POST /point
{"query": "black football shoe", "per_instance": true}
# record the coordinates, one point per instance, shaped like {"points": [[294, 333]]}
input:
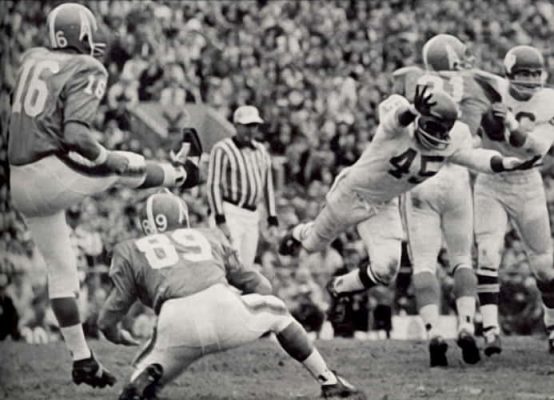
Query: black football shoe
{"points": [[492, 341], [90, 372], [341, 390], [145, 385], [470, 351], [437, 352]]}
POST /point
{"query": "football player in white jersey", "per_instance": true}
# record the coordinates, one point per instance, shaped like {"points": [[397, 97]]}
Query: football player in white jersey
{"points": [[519, 197], [442, 206], [411, 144]]}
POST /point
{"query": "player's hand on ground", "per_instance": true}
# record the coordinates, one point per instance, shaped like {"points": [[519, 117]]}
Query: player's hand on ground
{"points": [[422, 99]]}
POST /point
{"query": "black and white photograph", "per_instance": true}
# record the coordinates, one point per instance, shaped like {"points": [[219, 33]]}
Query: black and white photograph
{"points": [[277, 199]]}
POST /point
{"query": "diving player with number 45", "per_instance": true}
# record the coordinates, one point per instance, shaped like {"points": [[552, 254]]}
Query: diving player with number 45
{"points": [[55, 161], [411, 144], [189, 277]]}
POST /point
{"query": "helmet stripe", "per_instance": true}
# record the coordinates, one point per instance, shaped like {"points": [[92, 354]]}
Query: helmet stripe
{"points": [[52, 26], [150, 214]]}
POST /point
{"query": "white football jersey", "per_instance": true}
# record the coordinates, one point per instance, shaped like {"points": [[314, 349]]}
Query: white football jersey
{"points": [[395, 162]]}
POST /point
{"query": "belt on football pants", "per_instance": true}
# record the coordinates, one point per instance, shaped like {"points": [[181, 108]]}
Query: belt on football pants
{"points": [[236, 203]]}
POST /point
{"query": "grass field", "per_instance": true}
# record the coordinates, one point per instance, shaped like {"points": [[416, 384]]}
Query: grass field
{"points": [[386, 370]]}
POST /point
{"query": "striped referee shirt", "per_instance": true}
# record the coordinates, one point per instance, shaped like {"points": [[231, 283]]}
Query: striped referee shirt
{"points": [[240, 174]]}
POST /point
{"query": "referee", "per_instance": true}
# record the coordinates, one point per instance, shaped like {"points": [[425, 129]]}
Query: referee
{"points": [[239, 176]]}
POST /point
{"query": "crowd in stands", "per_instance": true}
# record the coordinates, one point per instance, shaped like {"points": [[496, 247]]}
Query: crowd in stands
{"points": [[316, 70]]}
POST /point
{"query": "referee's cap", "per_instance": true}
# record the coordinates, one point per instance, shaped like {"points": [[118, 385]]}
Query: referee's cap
{"points": [[245, 115]]}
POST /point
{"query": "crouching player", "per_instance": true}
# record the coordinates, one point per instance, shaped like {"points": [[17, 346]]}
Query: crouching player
{"points": [[188, 277]]}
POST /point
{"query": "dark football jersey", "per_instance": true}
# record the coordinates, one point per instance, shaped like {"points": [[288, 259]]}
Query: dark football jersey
{"points": [[177, 264], [52, 88], [464, 87]]}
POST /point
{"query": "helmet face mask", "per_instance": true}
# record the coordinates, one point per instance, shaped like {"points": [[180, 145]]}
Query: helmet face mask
{"points": [[525, 68], [432, 132]]}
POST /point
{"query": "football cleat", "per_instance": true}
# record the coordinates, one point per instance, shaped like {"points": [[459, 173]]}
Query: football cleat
{"points": [[470, 351], [289, 246], [341, 390], [437, 352], [190, 148], [492, 342], [145, 385], [90, 372]]}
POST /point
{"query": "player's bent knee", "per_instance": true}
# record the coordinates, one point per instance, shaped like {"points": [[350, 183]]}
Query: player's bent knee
{"points": [[385, 270], [62, 284], [426, 266], [460, 262], [541, 265], [489, 257]]}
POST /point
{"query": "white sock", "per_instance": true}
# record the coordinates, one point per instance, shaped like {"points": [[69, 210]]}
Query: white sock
{"points": [[430, 315], [349, 282], [548, 317], [318, 368], [466, 312], [489, 313], [75, 341]]}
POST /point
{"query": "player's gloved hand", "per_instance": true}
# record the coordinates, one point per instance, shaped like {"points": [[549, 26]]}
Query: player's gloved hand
{"points": [[422, 99], [516, 164]]}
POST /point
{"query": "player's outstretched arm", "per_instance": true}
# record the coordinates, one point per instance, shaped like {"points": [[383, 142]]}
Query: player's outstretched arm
{"points": [[79, 139], [489, 161]]}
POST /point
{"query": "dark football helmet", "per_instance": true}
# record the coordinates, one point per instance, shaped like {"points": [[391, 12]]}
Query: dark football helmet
{"points": [[433, 128], [163, 212], [525, 68], [446, 53], [73, 26]]}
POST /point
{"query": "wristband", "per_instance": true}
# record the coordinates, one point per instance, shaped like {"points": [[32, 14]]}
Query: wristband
{"points": [[497, 164]]}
